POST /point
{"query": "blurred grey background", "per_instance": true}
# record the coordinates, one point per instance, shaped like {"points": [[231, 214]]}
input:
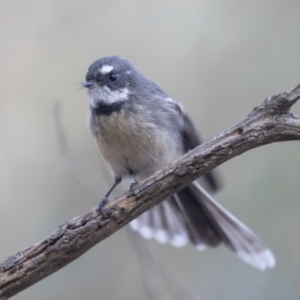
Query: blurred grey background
{"points": [[220, 59]]}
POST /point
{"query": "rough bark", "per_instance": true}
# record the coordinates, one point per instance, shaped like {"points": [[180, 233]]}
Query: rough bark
{"points": [[268, 123]]}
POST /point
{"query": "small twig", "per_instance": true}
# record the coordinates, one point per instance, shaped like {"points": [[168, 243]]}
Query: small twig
{"points": [[268, 123]]}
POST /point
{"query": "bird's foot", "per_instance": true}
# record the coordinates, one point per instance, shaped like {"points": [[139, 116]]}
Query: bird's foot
{"points": [[133, 184], [101, 205]]}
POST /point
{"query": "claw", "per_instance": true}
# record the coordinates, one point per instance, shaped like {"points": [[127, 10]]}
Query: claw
{"points": [[133, 184], [101, 205]]}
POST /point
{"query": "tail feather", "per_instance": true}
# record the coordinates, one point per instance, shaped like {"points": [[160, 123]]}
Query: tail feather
{"points": [[201, 229], [192, 214], [164, 223], [178, 234], [235, 234]]}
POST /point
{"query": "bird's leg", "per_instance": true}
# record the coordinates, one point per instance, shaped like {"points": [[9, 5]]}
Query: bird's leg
{"points": [[133, 184], [117, 180]]}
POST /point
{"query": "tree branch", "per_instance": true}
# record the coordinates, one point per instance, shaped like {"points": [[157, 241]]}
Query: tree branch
{"points": [[268, 123]]}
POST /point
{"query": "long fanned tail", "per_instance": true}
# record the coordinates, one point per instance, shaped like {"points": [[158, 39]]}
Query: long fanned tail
{"points": [[193, 215]]}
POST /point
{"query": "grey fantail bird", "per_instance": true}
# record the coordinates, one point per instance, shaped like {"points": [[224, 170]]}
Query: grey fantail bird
{"points": [[139, 129]]}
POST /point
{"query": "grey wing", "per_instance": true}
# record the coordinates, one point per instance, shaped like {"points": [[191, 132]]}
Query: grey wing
{"points": [[189, 135], [191, 139]]}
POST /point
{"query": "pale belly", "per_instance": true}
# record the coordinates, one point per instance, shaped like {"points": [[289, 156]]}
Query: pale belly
{"points": [[134, 146]]}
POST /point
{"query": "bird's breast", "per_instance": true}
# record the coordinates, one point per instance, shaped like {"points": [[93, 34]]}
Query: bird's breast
{"points": [[132, 143]]}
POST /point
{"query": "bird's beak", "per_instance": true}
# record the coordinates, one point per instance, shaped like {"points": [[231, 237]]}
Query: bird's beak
{"points": [[88, 84]]}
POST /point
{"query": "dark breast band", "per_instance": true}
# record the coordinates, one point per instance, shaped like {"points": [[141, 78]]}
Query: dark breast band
{"points": [[107, 109]]}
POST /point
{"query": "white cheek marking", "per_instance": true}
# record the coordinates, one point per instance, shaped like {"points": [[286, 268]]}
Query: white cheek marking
{"points": [[92, 98], [105, 95], [106, 69]]}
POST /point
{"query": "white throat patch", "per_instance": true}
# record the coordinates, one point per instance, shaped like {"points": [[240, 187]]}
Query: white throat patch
{"points": [[105, 95], [106, 69]]}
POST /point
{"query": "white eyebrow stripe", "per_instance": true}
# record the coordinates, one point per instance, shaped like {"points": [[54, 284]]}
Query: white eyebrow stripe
{"points": [[106, 69]]}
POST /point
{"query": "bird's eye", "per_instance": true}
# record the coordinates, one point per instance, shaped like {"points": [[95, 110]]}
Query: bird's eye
{"points": [[113, 77]]}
